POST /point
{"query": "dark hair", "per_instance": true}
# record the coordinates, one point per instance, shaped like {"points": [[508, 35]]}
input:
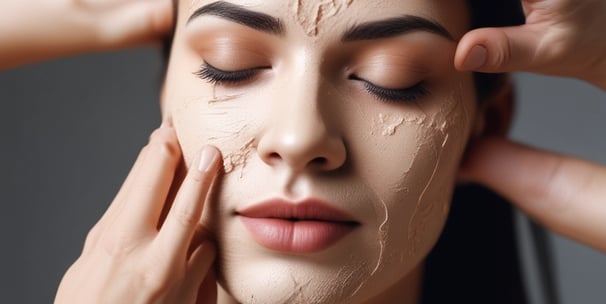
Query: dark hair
{"points": [[476, 258]]}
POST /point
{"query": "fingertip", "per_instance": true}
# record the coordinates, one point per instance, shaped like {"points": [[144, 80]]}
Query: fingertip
{"points": [[209, 157], [464, 49], [475, 59], [497, 54], [507, 49]]}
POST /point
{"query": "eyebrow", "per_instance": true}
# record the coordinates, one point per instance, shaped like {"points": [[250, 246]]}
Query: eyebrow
{"points": [[394, 27], [241, 15]]}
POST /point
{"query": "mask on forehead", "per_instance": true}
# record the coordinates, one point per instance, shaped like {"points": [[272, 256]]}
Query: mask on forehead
{"points": [[311, 14]]}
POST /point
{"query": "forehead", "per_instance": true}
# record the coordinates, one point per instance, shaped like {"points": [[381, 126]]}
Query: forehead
{"points": [[326, 17]]}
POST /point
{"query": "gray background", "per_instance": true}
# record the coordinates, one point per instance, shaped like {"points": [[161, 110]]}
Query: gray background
{"points": [[71, 129]]}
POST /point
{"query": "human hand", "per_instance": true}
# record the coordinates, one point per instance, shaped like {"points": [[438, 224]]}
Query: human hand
{"points": [[560, 38], [127, 258], [565, 194], [37, 30]]}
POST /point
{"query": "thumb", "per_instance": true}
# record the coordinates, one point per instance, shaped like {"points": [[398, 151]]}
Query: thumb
{"points": [[497, 50]]}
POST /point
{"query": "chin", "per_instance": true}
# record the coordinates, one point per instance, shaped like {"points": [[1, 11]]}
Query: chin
{"points": [[359, 268]]}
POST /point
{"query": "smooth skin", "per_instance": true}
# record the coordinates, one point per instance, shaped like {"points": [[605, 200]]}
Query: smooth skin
{"points": [[134, 255]]}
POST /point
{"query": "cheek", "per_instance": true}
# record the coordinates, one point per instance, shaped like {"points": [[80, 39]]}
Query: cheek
{"points": [[409, 159], [201, 113], [204, 114]]}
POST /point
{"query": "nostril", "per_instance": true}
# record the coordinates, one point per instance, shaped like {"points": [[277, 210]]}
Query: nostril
{"points": [[274, 157], [319, 161]]}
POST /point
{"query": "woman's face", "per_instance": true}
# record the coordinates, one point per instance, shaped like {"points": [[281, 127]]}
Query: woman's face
{"points": [[341, 123]]}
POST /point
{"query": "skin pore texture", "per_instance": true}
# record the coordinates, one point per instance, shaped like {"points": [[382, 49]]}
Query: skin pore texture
{"points": [[309, 123]]}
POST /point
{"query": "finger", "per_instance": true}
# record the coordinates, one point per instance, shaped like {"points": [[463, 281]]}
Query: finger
{"points": [[176, 234], [136, 22], [506, 49], [567, 195], [147, 194]]}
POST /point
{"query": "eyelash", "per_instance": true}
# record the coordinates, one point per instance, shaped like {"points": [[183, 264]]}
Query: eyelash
{"points": [[218, 77], [413, 93]]}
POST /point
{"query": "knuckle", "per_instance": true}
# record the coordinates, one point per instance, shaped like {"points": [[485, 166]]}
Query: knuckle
{"points": [[202, 179], [503, 52], [185, 217], [155, 276], [154, 283], [117, 246], [92, 236], [164, 142]]}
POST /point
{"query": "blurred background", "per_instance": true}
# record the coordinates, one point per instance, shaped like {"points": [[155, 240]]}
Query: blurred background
{"points": [[71, 129]]}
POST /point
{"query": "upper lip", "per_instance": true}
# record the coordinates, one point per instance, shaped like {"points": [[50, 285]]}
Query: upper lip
{"points": [[306, 210]]}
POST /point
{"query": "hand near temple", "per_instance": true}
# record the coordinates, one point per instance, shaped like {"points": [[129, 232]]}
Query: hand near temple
{"points": [[37, 30], [564, 38], [560, 38], [133, 256]]}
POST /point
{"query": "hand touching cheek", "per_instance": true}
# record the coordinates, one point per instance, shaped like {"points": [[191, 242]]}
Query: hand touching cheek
{"points": [[127, 258]]}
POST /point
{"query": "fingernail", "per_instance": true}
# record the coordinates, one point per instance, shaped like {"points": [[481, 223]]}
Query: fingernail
{"points": [[207, 159], [476, 58]]}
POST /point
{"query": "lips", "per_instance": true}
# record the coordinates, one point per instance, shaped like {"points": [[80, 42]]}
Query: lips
{"points": [[303, 227]]}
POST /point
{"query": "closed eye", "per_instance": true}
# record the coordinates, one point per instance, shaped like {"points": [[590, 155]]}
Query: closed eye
{"points": [[217, 76], [412, 93]]}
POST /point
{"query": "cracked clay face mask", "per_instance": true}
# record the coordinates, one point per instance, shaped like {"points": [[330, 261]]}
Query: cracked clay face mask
{"points": [[341, 124]]}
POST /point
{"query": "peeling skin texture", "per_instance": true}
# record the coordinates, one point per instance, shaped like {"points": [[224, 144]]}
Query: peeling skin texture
{"points": [[424, 209], [389, 124], [222, 98], [310, 15], [398, 162], [238, 158], [425, 205]]}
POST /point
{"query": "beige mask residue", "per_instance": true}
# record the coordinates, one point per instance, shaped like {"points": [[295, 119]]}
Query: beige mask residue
{"points": [[387, 125], [311, 14], [221, 98], [239, 158], [424, 209]]}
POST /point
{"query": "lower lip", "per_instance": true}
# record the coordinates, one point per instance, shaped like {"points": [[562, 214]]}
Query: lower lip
{"points": [[295, 236]]}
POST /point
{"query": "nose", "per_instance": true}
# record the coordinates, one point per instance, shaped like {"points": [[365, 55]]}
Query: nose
{"points": [[299, 135]]}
